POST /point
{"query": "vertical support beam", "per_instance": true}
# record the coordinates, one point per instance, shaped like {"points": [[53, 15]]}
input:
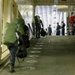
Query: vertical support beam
{"points": [[34, 10], [7, 17], [1, 2], [33, 22], [15, 11], [7, 14], [19, 14], [65, 21]]}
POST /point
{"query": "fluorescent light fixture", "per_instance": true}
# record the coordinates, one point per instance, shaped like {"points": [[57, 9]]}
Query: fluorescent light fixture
{"points": [[62, 6], [55, 5]]}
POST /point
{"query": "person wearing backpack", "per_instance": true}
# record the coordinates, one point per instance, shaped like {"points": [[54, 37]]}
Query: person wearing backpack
{"points": [[10, 40], [13, 49]]}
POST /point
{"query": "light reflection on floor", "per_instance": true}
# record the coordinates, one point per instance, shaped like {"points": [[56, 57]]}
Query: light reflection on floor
{"points": [[34, 51]]}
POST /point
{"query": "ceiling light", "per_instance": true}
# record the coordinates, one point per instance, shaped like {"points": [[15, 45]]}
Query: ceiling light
{"points": [[54, 5], [62, 6]]}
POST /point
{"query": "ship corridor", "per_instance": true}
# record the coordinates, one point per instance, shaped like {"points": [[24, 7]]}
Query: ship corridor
{"points": [[49, 55]]}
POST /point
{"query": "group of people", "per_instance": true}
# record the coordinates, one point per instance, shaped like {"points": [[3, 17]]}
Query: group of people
{"points": [[60, 27], [23, 39], [57, 29], [38, 27]]}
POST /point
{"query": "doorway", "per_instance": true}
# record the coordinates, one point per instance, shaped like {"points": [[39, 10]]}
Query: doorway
{"points": [[51, 15]]}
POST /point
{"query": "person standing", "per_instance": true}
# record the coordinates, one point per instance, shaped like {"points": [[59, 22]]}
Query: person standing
{"points": [[63, 28], [58, 29], [73, 28], [49, 30]]}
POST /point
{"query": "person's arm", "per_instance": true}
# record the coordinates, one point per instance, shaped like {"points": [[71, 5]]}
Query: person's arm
{"points": [[19, 38], [41, 23]]}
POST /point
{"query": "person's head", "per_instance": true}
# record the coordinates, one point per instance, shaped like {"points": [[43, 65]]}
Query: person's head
{"points": [[57, 23], [49, 25], [46, 29], [74, 21], [62, 21], [72, 14], [28, 24]]}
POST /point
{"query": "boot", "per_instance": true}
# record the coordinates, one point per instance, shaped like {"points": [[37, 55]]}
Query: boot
{"points": [[12, 68]]}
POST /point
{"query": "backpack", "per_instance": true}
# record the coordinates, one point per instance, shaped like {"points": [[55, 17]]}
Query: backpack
{"points": [[21, 53], [20, 26], [43, 33], [9, 36]]}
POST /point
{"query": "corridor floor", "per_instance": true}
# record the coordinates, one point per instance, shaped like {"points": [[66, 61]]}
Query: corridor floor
{"points": [[51, 55]]}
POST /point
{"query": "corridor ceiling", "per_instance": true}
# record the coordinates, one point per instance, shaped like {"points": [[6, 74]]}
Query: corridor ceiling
{"points": [[69, 3], [27, 5], [46, 2]]}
